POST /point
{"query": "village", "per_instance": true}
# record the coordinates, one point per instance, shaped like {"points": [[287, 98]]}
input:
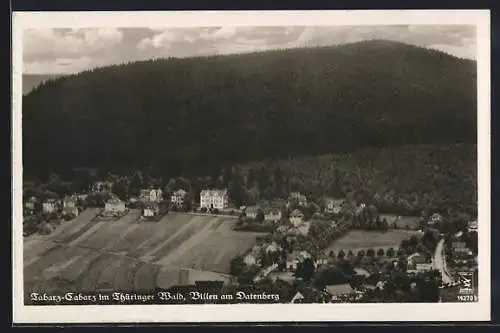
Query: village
{"points": [[329, 250]]}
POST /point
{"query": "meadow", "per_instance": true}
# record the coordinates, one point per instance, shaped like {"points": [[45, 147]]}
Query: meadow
{"points": [[84, 254], [356, 240]]}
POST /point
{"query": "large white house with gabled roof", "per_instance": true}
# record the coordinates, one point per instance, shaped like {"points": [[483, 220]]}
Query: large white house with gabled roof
{"points": [[214, 199]]}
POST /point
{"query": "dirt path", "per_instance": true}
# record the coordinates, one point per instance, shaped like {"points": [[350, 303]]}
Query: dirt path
{"points": [[440, 262]]}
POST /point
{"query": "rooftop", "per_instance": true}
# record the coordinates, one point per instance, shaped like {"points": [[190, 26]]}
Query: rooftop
{"points": [[213, 192], [418, 258], [180, 192], [339, 289], [114, 201], [334, 200]]}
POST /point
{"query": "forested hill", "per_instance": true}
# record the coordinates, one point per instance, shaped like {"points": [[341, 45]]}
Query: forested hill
{"points": [[186, 114], [31, 81]]}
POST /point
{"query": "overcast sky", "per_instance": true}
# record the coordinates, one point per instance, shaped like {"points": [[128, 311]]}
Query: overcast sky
{"points": [[66, 51]]}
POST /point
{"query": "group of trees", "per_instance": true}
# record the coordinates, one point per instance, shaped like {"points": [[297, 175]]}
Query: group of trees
{"points": [[321, 234], [412, 180], [370, 253], [369, 219], [425, 244]]}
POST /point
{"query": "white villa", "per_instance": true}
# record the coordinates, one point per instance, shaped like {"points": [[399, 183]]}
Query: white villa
{"points": [[272, 214], [214, 199], [252, 211], [49, 206], [69, 202], [250, 259], [101, 186], [333, 206], [152, 195], [177, 197]]}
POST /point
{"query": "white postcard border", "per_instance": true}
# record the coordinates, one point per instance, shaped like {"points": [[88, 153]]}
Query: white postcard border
{"points": [[479, 311]]}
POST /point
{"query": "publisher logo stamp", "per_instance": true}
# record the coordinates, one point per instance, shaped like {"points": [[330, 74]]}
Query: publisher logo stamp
{"points": [[466, 287]]}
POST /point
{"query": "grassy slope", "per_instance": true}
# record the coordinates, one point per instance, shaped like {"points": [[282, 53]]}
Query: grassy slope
{"points": [[116, 254]]}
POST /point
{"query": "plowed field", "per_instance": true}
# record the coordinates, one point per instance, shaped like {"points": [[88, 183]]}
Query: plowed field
{"points": [[93, 255]]}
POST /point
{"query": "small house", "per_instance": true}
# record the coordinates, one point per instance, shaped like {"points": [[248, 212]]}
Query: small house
{"points": [[333, 205], [359, 209], [292, 261], [472, 226], [30, 203], [49, 206], [297, 298], [69, 202], [114, 206], [272, 214], [214, 199], [82, 197], [101, 186], [339, 290], [30, 206], [151, 195], [322, 260], [177, 197], [418, 262], [150, 209], [296, 217], [459, 247], [250, 259], [253, 256], [299, 198], [252, 211]]}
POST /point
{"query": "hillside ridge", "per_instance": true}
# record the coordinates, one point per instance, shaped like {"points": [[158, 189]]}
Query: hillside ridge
{"points": [[192, 114]]}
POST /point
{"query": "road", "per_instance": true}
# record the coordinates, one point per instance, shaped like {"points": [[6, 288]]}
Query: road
{"points": [[440, 262]]}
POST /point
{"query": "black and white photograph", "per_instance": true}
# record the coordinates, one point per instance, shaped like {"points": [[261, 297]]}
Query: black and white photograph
{"points": [[211, 161]]}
